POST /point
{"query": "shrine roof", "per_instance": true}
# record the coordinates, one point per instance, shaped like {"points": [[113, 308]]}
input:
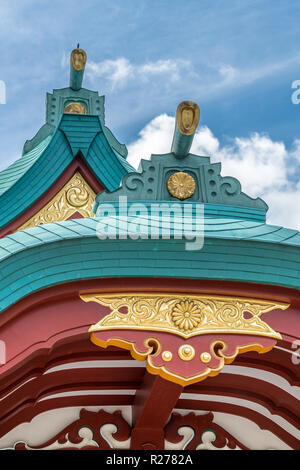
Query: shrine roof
{"points": [[236, 243], [25, 181], [17, 169], [233, 250]]}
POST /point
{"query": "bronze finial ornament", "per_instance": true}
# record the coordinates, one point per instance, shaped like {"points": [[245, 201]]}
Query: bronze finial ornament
{"points": [[78, 59], [187, 117]]}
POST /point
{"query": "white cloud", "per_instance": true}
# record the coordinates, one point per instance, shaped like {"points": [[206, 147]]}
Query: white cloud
{"points": [[170, 67], [155, 137], [116, 71], [119, 71], [264, 167], [210, 79], [234, 76]]}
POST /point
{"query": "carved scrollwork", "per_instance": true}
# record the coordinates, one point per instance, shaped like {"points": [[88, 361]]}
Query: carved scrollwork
{"points": [[170, 330], [133, 182], [193, 432], [230, 186], [185, 316], [92, 431], [75, 196]]}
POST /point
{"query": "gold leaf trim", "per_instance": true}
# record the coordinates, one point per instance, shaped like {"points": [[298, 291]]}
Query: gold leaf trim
{"points": [[75, 196], [209, 314]]}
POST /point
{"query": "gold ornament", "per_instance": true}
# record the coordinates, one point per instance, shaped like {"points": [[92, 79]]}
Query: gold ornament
{"points": [[181, 185], [205, 357], [186, 352], [78, 59], [186, 315], [75, 108], [156, 312], [75, 196], [167, 356], [187, 117]]}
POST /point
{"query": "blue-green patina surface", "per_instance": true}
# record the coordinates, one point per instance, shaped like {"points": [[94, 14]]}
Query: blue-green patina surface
{"points": [[219, 193], [234, 250], [238, 244], [28, 178], [56, 103]]}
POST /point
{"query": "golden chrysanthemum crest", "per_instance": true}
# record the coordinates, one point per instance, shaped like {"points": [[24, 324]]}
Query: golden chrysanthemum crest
{"points": [[186, 315], [181, 185]]}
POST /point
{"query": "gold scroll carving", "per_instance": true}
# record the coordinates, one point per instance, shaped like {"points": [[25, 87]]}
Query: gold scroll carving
{"points": [[185, 316], [75, 196]]}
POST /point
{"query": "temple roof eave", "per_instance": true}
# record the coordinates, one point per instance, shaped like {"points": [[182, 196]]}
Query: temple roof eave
{"points": [[69, 251]]}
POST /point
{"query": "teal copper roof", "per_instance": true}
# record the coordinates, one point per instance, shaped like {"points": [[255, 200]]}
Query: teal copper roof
{"points": [[16, 170], [235, 243], [234, 250], [28, 178]]}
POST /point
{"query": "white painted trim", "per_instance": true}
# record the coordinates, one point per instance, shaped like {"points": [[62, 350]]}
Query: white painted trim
{"points": [[96, 364], [12, 391], [264, 375], [283, 423], [83, 393]]}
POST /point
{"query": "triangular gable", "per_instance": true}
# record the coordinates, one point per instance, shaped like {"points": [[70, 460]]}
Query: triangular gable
{"points": [[77, 136]]}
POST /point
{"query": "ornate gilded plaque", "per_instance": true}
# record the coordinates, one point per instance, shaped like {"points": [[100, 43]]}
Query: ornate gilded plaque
{"points": [[184, 338]]}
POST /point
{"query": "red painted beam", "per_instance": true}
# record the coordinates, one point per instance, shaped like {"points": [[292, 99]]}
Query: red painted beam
{"points": [[152, 406]]}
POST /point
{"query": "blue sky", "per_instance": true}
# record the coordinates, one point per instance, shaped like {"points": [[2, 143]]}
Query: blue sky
{"points": [[236, 59]]}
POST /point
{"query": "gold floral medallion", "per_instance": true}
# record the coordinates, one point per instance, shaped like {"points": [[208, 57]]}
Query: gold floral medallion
{"points": [[75, 108], [181, 185], [186, 315]]}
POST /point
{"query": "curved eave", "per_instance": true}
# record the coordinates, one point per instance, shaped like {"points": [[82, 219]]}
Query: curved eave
{"points": [[26, 180], [17, 169], [62, 252]]}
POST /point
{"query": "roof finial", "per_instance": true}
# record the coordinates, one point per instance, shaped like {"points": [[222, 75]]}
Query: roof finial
{"points": [[78, 61], [187, 119]]}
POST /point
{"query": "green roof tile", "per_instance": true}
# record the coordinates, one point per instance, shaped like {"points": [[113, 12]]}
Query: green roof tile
{"points": [[27, 179], [66, 251]]}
